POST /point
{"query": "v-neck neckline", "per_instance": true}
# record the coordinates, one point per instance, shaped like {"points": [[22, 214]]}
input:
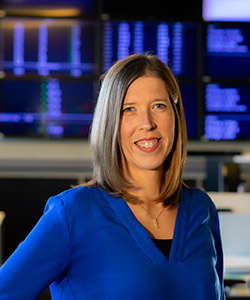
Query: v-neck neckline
{"points": [[142, 237]]}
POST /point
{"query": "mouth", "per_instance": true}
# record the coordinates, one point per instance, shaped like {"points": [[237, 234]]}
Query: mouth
{"points": [[147, 143]]}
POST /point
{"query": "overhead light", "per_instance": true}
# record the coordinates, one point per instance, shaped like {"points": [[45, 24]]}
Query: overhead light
{"points": [[40, 12]]}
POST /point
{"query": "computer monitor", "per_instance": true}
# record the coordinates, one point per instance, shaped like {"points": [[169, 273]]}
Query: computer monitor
{"points": [[227, 111], [50, 46], [47, 107], [227, 50], [175, 43]]}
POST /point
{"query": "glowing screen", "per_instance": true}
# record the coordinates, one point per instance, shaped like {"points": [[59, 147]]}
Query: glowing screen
{"points": [[48, 107], [49, 46], [173, 42], [227, 112], [228, 50]]}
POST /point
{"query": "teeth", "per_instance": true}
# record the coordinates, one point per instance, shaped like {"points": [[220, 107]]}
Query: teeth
{"points": [[147, 144]]}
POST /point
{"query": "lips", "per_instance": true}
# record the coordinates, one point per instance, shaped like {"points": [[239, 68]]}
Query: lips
{"points": [[147, 144]]}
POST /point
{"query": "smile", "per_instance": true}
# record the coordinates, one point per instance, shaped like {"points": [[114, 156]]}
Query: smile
{"points": [[147, 144]]}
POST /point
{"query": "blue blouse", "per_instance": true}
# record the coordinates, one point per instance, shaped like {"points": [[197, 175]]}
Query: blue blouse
{"points": [[89, 245]]}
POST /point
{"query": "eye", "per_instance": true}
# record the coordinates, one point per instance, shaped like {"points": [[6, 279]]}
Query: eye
{"points": [[159, 105], [128, 109]]}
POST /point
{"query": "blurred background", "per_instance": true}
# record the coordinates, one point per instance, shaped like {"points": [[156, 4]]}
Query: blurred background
{"points": [[52, 54]]}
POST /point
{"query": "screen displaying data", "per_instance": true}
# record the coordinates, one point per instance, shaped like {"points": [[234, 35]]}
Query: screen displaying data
{"points": [[227, 112], [227, 50], [48, 107], [175, 43], [49, 46]]}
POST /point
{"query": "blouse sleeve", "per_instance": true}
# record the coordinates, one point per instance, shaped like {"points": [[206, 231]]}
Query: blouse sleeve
{"points": [[40, 258], [218, 246]]}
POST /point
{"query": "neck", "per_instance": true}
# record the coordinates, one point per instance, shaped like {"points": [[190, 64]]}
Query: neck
{"points": [[147, 185]]}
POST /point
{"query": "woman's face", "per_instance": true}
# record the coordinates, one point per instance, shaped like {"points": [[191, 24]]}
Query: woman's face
{"points": [[147, 125]]}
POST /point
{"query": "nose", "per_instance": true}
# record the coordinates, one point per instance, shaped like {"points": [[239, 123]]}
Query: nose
{"points": [[146, 121]]}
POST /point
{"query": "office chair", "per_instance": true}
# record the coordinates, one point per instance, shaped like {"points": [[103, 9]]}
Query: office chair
{"points": [[231, 172]]}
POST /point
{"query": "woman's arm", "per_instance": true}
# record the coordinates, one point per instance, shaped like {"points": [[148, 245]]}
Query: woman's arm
{"points": [[219, 250], [40, 258]]}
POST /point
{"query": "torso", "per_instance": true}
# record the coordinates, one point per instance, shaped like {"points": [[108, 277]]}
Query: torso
{"points": [[92, 247]]}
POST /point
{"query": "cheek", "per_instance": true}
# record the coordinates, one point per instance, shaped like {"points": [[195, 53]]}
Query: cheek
{"points": [[170, 131], [168, 126], [126, 131]]}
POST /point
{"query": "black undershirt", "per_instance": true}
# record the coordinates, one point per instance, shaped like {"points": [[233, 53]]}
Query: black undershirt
{"points": [[164, 246]]}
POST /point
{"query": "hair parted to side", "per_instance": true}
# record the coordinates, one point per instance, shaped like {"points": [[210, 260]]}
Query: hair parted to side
{"points": [[104, 136]]}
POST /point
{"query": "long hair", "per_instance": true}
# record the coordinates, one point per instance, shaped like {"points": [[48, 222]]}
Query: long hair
{"points": [[104, 136]]}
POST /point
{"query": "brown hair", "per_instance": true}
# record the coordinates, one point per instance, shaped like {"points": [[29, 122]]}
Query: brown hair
{"points": [[104, 137]]}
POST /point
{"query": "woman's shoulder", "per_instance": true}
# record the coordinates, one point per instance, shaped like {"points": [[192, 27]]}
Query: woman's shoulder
{"points": [[81, 191], [75, 198], [199, 206], [198, 198]]}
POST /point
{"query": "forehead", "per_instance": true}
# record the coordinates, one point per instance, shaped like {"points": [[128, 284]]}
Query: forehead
{"points": [[147, 85]]}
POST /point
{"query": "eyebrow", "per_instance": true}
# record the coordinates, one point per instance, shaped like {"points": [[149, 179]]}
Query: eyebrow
{"points": [[161, 99], [129, 103], [155, 100]]}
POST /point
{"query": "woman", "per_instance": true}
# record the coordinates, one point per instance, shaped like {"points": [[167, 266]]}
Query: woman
{"points": [[135, 231]]}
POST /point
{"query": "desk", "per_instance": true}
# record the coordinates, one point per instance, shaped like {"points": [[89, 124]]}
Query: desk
{"points": [[34, 158], [240, 290], [64, 159], [236, 202]]}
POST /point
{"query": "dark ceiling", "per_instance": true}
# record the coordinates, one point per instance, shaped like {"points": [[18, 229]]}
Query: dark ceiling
{"points": [[186, 10]]}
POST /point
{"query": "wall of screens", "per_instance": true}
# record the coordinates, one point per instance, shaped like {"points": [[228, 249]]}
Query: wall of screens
{"points": [[226, 61], [40, 53], [226, 94], [210, 58]]}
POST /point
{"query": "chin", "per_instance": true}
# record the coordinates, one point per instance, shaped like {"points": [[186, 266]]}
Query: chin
{"points": [[151, 166]]}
